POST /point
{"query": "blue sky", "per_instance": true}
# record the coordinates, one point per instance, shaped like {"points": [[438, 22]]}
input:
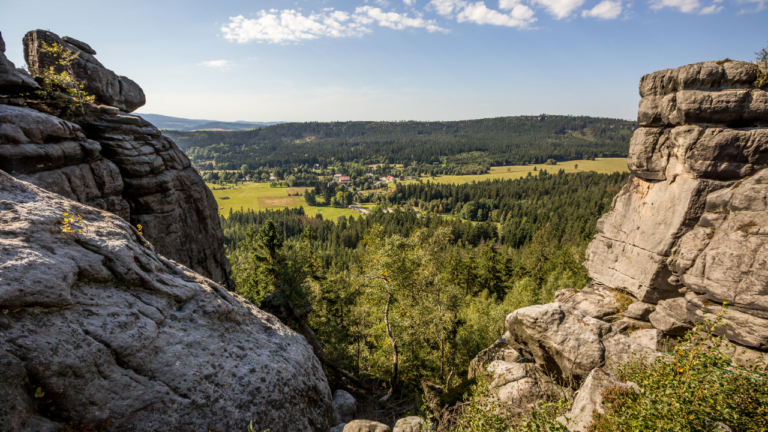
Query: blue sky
{"points": [[310, 60]]}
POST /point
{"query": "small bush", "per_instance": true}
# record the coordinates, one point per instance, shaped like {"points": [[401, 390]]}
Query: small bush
{"points": [[693, 389]]}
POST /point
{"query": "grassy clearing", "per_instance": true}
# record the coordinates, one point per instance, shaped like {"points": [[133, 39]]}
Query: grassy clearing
{"points": [[259, 196], [600, 165]]}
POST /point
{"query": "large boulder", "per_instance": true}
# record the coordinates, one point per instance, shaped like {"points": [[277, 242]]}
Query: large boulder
{"points": [[522, 385], [409, 424], [567, 344], [590, 397], [499, 350], [12, 80], [110, 330], [366, 426], [344, 407], [594, 300], [108, 87]]}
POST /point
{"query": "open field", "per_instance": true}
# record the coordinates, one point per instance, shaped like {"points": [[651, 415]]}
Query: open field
{"points": [[259, 196], [600, 165]]}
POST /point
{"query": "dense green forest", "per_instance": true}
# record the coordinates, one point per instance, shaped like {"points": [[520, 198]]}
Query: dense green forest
{"points": [[479, 143], [457, 278]]}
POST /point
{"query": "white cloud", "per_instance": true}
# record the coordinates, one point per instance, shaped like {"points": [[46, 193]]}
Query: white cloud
{"points": [[217, 64], [606, 9], [687, 6], [560, 8], [292, 26], [409, 2], [397, 21], [712, 9], [478, 13], [446, 7], [761, 4]]}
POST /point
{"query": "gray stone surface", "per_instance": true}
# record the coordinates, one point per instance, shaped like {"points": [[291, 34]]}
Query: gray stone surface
{"points": [[565, 343], [166, 195], [590, 398], [13, 80], [693, 221], [108, 87], [366, 426], [671, 317], [108, 329], [639, 311], [594, 301], [56, 155], [409, 424], [522, 385], [700, 76], [637, 236], [344, 407], [651, 338], [122, 164], [499, 350]]}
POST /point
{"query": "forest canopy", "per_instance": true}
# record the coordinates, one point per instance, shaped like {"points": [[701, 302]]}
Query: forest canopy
{"points": [[496, 141]]}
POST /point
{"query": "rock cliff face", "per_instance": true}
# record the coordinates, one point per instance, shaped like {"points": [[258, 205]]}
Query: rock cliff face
{"points": [[112, 160], [109, 330], [689, 231]]}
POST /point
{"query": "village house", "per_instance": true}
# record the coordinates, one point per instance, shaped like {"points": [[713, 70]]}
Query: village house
{"points": [[344, 179]]}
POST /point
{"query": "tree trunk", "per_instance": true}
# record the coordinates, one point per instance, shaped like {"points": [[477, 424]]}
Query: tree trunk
{"points": [[395, 355]]}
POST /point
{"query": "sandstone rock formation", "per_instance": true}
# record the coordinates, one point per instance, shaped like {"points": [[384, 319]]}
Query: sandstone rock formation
{"points": [[590, 399], [366, 426], [409, 424], [521, 385], [689, 231], [108, 88], [500, 350], [115, 162], [568, 345], [110, 330]]}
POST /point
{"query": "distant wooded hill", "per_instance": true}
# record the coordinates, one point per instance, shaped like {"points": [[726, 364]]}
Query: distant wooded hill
{"points": [[182, 124], [495, 141]]}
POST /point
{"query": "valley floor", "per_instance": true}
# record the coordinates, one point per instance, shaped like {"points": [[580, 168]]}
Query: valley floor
{"points": [[260, 196]]}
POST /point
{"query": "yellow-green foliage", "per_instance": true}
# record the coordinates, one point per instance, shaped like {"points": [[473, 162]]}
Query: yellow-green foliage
{"points": [[693, 389], [61, 77], [72, 224]]}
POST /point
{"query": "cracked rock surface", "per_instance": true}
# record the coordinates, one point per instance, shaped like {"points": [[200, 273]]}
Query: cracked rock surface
{"points": [[689, 231], [108, 329]]}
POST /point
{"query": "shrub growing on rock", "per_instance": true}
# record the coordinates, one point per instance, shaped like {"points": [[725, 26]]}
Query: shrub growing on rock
{"points": [[696, 388]]}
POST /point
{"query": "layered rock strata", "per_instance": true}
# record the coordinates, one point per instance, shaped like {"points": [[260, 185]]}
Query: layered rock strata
{"points": [[114, 161], [107, 329], [689, 231]]}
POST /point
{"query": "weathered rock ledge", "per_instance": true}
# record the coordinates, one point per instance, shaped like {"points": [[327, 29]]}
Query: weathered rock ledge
{"points": [[110, 330], [113, 160]]}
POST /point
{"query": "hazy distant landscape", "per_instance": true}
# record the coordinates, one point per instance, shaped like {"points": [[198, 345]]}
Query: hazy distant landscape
{"points": [[181, 124]]}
